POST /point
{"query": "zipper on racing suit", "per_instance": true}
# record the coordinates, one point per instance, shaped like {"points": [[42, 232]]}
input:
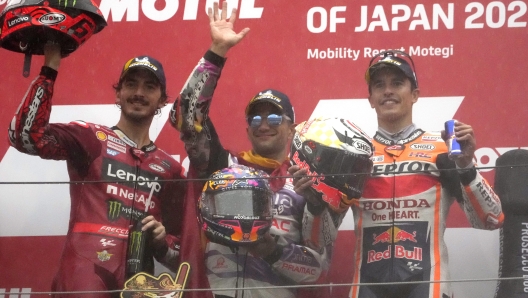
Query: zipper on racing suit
{"points": [[138, 259]]}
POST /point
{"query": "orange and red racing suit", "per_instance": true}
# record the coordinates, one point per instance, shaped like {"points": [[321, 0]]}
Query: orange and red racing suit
{"points": [[401, 218]]}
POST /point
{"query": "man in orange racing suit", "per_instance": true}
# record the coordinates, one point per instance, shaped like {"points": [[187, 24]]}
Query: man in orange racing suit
{"points": [[119, 171], [401, 217]]}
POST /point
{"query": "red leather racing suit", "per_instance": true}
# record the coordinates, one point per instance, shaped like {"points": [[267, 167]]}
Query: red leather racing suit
{"points": [[102, 164], [293, 262], [401, 218]]}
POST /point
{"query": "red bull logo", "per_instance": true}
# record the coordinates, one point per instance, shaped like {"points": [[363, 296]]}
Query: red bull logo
{"points": [[330, 194], [399, 253], [384, 237], [405, 236], [399, 235], [304, 165]]}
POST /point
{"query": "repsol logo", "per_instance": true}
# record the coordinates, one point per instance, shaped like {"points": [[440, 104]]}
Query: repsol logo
{"points": [[51, 18], [403, 167], [17, 20], [33, 108], [428, 147], [431, 138], [489, 196]]}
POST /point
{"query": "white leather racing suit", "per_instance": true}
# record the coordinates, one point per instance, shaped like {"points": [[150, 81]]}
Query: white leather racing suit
{"points": [[292, 262]]}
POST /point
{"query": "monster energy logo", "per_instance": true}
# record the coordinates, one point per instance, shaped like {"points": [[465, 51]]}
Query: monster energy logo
{"points": [[134, 245], [66, 2], [117, 210], [114, 209]]}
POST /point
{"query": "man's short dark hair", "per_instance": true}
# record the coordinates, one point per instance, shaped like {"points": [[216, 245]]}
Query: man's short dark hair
{"points": [[381, 68]]}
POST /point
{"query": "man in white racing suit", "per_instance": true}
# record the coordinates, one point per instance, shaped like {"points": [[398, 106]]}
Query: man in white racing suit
{"points": [[283, 258]]}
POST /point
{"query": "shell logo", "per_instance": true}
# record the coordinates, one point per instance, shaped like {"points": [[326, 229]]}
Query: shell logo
{"points": [[101, 136]]}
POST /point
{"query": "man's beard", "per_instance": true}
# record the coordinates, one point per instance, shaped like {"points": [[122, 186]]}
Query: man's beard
{"points": [[137, 117]]}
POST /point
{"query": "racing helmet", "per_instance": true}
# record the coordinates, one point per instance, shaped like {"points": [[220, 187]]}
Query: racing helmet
{"points": [[26, 26], [235, 207], [337, 154]]}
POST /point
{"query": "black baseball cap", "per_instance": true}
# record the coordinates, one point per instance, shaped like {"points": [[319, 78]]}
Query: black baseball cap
{"points": [[390, 58], [279, 99], [149, 63]]}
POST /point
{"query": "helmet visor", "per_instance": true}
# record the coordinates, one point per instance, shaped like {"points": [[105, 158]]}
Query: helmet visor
{"points": [[348, 170], [246, 202]]}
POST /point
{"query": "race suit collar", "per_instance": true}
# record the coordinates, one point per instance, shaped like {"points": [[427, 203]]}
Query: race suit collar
{"points": [[147, 148], [408, 134], [402, 134]]}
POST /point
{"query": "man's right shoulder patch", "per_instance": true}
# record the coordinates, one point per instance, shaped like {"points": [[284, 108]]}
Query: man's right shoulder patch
{"points": [[80, 123]]}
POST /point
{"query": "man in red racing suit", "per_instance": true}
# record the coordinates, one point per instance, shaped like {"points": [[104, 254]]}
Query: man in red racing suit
{"points": [[118, 176]]}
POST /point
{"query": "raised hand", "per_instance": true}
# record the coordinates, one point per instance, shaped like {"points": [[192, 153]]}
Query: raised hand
{"points": [[223, 35], [466, 137], [302, 184]]}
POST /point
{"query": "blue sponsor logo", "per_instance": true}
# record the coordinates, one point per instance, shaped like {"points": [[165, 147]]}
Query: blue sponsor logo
{"points": [[111, 152]]}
